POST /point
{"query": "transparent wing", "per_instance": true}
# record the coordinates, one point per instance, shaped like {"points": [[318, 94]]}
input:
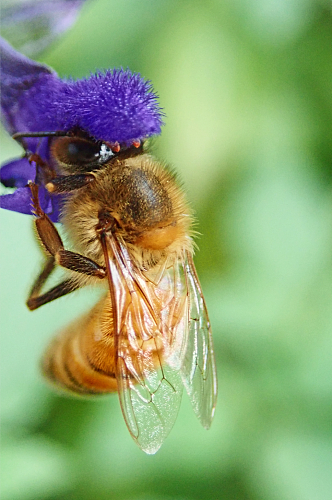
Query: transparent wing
{"points": [[150, 311], [150, 405], [199, 369]]}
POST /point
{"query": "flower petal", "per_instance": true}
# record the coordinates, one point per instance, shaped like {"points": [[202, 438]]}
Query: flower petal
{"points": [[23, 83], [33, 25], [19, 201], [51, 204], [113, 106], [17, 173]]}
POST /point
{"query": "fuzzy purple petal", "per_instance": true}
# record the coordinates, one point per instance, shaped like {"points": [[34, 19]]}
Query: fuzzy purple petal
{"points": [[17, 173], [113, 106]]}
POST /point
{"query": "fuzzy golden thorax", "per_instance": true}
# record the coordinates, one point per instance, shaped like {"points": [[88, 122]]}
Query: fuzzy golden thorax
{"points": [[151, 213]]}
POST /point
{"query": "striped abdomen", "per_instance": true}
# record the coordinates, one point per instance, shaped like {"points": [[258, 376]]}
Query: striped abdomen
{"points": [[81, 359]]}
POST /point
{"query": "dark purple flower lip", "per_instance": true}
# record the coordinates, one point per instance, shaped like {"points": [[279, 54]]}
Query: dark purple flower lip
{"points": [[17, 173], [20, 201], [116, 107]]}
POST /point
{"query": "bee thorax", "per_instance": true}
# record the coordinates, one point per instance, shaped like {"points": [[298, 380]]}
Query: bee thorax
{"points": [[142, 202]]}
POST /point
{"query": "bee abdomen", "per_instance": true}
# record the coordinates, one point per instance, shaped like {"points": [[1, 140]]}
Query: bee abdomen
{"points": [[82, 358]]}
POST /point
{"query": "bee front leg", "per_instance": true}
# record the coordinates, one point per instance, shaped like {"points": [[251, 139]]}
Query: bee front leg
{"points": [[44, 170], [53, 245], [67, 183], [60, 183]]}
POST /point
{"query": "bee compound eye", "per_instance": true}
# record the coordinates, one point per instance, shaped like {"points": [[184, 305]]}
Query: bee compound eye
{"points": [[80, 153]]}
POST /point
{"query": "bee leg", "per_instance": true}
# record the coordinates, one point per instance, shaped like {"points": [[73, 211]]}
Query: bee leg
{"points": [[21, 135], [67, 183], [47, 270], [44, 171], [35, 300], [53, 245], [78, 263]]}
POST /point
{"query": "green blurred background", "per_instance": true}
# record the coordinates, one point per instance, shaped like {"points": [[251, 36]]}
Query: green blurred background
{"points": [[246, 86]]}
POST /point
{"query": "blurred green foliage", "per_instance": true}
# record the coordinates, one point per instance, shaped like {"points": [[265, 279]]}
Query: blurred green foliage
{"points": [[247, 89]]}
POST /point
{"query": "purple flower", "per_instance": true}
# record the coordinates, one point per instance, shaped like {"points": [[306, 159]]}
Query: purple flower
{"points": [[33, 24], [116, 106]]}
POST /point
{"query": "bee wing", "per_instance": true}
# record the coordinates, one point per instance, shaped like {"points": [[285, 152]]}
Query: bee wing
{"points": [[150, 407], [199, 370], [148, 319]]}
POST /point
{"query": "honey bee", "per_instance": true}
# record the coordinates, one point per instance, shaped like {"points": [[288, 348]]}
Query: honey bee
{"points": [[150, 335]]}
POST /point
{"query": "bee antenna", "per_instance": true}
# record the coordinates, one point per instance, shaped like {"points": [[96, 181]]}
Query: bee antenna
{"points": [[22, 135]]}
